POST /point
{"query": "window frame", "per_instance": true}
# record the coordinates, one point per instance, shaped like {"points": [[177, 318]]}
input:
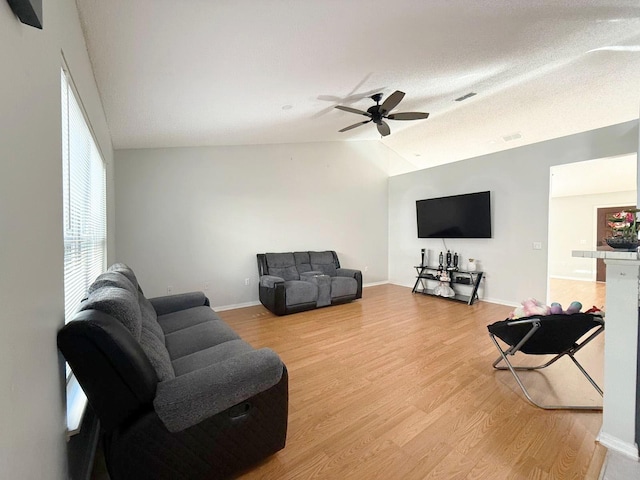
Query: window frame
{"points": [[84, 220]]}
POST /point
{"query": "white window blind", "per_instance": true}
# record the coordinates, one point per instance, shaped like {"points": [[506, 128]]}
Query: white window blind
{"points": [[84, 197]]}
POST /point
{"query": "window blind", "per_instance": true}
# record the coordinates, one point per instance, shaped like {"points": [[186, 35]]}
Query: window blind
{"points": [[84, 197]]}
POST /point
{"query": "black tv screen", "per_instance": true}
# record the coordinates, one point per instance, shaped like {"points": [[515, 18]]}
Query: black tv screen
{"points": [[457, 216]]}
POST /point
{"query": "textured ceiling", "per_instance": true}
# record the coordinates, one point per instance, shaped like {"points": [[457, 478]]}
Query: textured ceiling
{"points": [[201, 72]]}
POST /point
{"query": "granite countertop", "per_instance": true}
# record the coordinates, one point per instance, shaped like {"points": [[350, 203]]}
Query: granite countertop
{"points": [[606, 254]]}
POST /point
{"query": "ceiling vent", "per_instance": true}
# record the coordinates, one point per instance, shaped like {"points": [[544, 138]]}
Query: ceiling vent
{"points": [[513, 136], [464, 97]]}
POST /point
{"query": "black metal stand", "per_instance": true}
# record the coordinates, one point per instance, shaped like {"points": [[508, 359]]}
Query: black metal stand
{"points": [[425, 275]]}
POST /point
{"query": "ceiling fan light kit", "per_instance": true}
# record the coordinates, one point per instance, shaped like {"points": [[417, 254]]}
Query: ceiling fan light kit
{"points": [[379, 112]]}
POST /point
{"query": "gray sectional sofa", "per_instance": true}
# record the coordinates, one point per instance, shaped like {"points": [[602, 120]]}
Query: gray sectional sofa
{"points": [[297, 281], [178, 393]]}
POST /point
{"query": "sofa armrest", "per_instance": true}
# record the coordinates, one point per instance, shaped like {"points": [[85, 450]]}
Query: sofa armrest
{"points": [[181, 301], [357, 274], [270, 281], [191, 398], [348, 272]]}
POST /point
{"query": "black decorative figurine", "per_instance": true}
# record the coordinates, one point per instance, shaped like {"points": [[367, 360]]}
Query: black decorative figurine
{"points": [[448, 259], [441, 260], [455, 261]]}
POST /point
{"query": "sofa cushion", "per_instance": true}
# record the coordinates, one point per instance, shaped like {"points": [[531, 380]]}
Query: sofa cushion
{"points": [[324, 287], [343, 286], [149, 317], [126, 271], [120, 303], [324, 262], [209, 356], [282, 265], [113, 279], [303, 263], [298, 291], [174, 321], [196, 338], [157, 354]]}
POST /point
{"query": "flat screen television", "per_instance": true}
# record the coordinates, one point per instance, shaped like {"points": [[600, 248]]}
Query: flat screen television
{"points": [[457, 216]]}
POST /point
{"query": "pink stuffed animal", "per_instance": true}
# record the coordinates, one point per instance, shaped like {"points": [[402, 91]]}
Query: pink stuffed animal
{"points": [[530, 307]]}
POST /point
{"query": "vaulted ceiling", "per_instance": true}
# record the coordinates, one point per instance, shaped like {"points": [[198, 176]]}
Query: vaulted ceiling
{"points": [[235, 72]]}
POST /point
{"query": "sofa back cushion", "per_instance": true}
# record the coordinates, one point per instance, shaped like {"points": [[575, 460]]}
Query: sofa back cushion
{"points": [[323, 262], [120, 304], [282, 265], [303, 263], [126, 271], [113, 279]]}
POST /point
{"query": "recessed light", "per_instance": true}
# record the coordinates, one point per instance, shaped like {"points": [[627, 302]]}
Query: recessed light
{"points": [[287, 107]]}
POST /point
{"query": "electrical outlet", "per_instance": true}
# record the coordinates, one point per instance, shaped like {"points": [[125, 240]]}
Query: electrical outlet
{"points": [[537, 245], [169, 289], [247, 281], [366, 269]]}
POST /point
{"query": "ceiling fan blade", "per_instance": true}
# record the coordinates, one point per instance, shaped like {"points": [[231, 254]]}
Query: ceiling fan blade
{"points": [[354, 126], [383, 128], [353, 110], [391, 102], [408, 116]]}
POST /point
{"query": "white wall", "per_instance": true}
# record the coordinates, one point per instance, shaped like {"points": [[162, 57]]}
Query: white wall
{"points": [[32, 422], [578, 213], [187, 217], [519, 183]]}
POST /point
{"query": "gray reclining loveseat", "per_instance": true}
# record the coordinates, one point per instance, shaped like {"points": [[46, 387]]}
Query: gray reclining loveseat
{"points": [[297, 281], [177, 392]]}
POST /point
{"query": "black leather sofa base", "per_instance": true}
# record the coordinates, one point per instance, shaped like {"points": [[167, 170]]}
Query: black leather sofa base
{"points": [[217, 448]]}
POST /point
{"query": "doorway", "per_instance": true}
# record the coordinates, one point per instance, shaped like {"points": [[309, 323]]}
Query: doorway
{"points": [[577, 191]]}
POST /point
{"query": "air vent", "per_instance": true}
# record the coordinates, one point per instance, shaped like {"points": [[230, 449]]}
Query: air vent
{"points": [[464, 97], [511, 137]]}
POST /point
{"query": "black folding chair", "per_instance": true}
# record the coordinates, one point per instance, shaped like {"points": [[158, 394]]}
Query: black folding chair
{"points": [[546, 335]]}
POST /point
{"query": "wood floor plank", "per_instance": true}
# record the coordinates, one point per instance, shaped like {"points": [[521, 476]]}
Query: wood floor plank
{"points": [[400, 386]]}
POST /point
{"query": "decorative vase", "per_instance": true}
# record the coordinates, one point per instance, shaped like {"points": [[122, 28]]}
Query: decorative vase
{"points": [[621, 243], [471, 266]]}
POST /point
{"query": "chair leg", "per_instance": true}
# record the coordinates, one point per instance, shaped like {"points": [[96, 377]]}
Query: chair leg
{"points": [[512, 369]]}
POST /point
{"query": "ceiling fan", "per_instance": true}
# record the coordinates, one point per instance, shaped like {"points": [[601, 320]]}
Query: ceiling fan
{"points": [[378, 113]]}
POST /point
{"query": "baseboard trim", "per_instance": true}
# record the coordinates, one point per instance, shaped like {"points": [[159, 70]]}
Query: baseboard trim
{"points": [[373, 284], [620, 446], [222, 308], [577, 279]]}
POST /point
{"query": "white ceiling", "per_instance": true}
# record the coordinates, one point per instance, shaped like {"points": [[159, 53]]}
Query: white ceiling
{"points": [[601, 175], [232, 72]]}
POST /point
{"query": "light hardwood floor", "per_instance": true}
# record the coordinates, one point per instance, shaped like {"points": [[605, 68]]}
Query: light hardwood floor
{"points": [[400, 386], [566, 291]]}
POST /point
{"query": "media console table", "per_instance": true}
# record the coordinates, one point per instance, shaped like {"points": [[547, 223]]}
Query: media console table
{"points": [[470, 280]]}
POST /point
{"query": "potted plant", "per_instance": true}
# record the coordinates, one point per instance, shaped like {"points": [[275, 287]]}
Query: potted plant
{"points": [[625, 230]]}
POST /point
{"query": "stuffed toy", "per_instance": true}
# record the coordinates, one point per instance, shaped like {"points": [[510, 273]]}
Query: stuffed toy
{"points": [[530, 307], [596, 311], [444, 288], [574, 307]]}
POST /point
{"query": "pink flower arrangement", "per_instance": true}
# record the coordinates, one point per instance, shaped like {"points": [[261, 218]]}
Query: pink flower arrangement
{"points": [[625, 224]]}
